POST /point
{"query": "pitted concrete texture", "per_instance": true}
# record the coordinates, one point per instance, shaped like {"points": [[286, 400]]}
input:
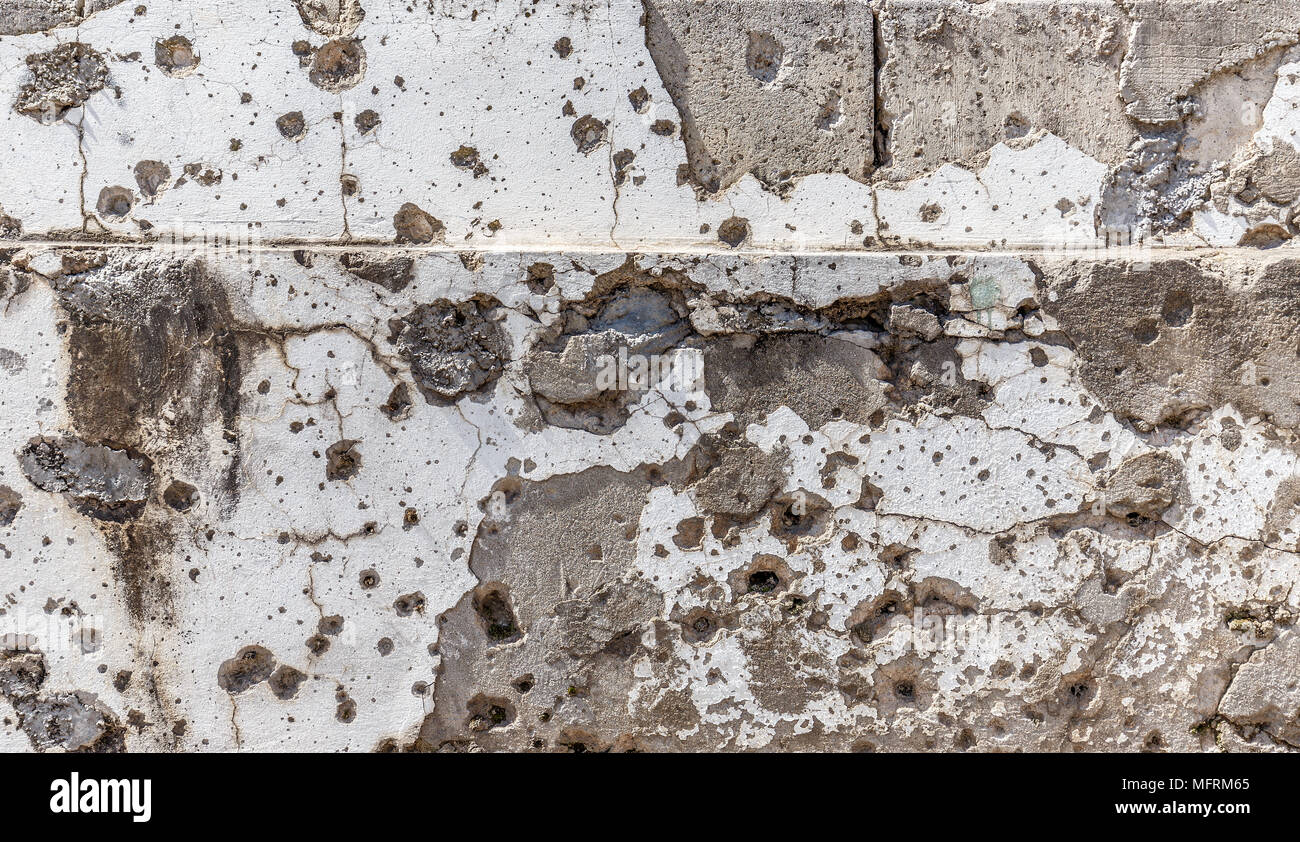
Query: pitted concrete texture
{"points": [[848, 375]]}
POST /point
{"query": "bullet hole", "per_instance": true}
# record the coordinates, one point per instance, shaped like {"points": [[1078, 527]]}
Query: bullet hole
{"points": [[488, 712], [284, 682], [895, 556], [1038, 357], [410, 518], [331, 624], [799, 515], [930, 212], [734, 231], [640, 99], [331, 18], [346, 712], [339, 65], [467, 158], [690, 533], [175, 56], [392, 272], [663, 128], [10, 503], [318, 644], [541, 277], [763, 57], [181, 496], [152, 177], [622, 160], [492, 604], [115, 203], [563, 47], [385, 646], [588, 133], [398, 405], [1016, 125], [343, 460], [60, 80], [303, 50], [1177, 309], [408, 604], [1080, 693], [699, 626], [452, 348], [1146, 331], [122, 680], [763, 581], [251, 665], [292, 126], [905, 690], [525, 683], [413, 225], [369, 579], [367, 121]]}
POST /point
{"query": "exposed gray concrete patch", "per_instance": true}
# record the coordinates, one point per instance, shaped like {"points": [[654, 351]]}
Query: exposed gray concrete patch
{"points": [[777, 90], [59, 80], [1177, 45], [104, 482], [19, 17], [958, 78], [1164, 344]]}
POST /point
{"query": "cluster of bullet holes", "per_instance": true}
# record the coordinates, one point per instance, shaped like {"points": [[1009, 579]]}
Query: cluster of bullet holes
{"points": [[467, 158], [176, 56], [346, 711], [492, 604], [328, 626]]}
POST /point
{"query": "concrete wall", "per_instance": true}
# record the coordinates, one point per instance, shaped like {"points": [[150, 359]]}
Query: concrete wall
{"points": [[729, 375]]}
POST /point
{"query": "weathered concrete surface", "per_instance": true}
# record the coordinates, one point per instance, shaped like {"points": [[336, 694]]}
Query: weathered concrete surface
{"points": [[893, 375]]}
